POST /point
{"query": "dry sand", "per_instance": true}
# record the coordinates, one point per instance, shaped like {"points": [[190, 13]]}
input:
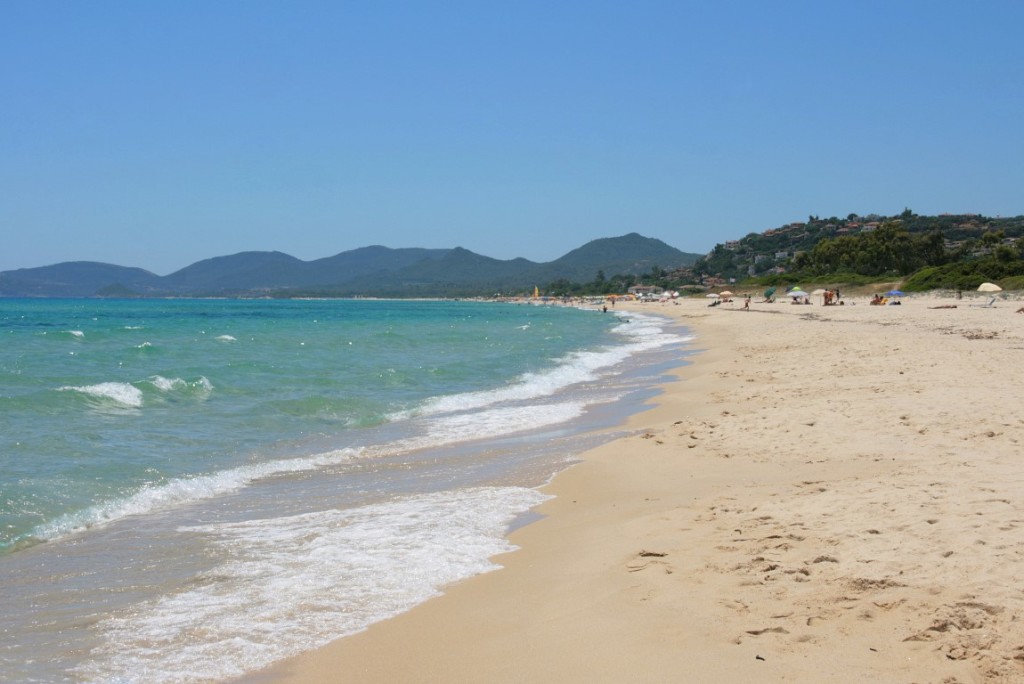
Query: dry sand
{"points": [[827, 494]]}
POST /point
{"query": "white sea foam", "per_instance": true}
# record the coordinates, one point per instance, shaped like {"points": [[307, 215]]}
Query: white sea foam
{"points": [[76, 333], [120, 393], [202, 384], [127, 395], [167, 384], [502, 421], [184, 490], [640, 333], [226, 338], [490, 423], [484, 424], [295, 583]]}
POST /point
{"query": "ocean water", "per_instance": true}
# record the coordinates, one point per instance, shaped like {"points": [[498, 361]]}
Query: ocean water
{"points": [[193, 489]]}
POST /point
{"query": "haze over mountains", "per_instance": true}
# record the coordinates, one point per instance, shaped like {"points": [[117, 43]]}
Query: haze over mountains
{"points": [[368, 271]]}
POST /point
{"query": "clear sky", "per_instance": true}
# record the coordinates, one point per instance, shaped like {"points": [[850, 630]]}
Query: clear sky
{"points": [[156, 134]]}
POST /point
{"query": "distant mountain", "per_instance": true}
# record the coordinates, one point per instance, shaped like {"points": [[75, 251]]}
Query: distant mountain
{"points": [[632, 253], [459, 269], [349, 266], [242, 271], [76, 279], [372, 271], [273, 271]]}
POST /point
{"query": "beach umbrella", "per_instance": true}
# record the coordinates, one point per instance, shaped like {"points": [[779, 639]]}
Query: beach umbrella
{"points": [[819, 291], [769, 292], [894, 293], [726, 293], [989, 287], [796, 293], [712, 295]]}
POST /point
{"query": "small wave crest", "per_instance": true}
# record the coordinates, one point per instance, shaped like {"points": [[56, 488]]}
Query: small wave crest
{"points": [[640, 333], [119, 393], [178, 384], [183, 490], [502, 421], [128, 395]]}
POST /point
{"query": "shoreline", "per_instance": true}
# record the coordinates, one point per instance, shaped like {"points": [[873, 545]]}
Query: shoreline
{"points": [[824, 494]]}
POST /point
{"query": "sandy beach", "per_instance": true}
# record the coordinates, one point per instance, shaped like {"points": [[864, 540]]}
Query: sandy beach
{"points": [[825, 494]]}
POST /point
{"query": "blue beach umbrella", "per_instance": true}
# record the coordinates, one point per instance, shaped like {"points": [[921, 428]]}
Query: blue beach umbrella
{"points": [[894, 293]]}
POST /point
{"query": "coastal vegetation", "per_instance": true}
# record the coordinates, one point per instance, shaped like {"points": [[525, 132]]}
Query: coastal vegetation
{"points": [[923, 252]]}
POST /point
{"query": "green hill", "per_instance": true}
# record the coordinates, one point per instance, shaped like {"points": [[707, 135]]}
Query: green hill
{"points": [[370, 271], [76, 279], [866, 246], [632, 253]]}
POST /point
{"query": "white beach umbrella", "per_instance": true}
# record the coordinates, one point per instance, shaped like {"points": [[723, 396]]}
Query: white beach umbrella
{"points": [[989, 287]]}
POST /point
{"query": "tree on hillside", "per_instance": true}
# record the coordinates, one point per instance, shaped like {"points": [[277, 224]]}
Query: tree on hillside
{"points": [[889, 250]]}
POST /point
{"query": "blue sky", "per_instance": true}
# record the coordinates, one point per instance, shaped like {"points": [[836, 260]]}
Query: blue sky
{"points": [[155, 134]]}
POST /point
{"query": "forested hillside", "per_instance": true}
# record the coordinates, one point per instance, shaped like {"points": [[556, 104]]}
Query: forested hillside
{"points": [[954, 251], [949, 251]]}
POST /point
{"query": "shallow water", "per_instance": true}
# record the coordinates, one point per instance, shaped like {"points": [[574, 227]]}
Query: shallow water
{"points": [[200, 506]]}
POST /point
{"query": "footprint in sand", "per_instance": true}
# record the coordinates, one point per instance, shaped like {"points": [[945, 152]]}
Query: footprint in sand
{"points": [[645, 559]]}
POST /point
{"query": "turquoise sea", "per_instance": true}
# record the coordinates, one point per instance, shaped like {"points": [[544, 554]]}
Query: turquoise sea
{"points": [[193, 489]]}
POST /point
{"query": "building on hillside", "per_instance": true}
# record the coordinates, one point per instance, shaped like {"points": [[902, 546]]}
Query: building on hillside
{"points": [[644, 290]]}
